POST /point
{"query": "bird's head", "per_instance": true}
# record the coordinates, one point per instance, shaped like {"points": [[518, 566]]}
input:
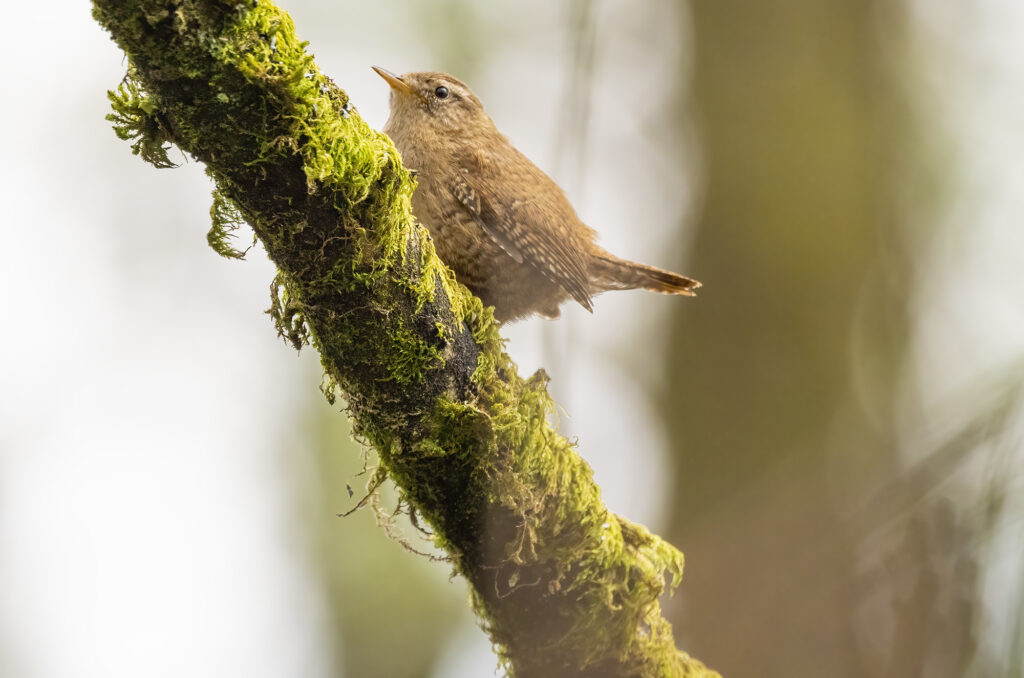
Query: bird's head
{"points": [[438, 100]]}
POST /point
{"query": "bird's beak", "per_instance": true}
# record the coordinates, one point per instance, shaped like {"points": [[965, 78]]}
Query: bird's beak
{"points": [[396, 82]]}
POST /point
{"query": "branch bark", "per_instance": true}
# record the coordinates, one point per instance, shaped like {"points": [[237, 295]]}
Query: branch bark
{"points": [[563, 586]]}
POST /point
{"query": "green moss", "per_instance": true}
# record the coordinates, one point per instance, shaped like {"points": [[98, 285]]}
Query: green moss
{"points": [[136, 119], [408, 358], [287, 316], [226, 220]]}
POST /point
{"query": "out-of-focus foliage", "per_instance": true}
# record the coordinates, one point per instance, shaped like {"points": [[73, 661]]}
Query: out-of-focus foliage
{"points": [[391, 610]]}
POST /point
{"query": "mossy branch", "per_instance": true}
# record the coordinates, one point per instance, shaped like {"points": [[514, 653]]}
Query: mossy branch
{"points": [[562, 586]]}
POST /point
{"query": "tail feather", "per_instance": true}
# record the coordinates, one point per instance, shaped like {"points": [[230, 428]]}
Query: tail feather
{"points": [[608, 272]]}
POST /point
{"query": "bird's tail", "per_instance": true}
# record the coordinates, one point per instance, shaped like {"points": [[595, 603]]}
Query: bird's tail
{"points": [[608, 272]]}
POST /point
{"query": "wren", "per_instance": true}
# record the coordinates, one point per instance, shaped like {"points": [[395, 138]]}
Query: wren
{"points": [[503, 225]]}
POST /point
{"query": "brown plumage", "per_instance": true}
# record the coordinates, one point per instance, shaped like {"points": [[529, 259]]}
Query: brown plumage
{"points": [[503, 225]]}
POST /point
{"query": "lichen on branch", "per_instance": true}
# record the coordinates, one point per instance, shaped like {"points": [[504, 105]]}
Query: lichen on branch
{"points": [[563, 586]]}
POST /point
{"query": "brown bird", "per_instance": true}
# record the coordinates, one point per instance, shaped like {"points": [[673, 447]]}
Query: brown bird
{"points": [[502, 224]]}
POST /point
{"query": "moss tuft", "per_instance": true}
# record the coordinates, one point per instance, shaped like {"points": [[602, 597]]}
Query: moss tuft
{"points": [[287, 315], [136, 119], [226, 220], [408, 358]]}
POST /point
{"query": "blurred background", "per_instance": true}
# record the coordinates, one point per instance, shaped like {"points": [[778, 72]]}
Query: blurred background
{"points": [[831, 432]]}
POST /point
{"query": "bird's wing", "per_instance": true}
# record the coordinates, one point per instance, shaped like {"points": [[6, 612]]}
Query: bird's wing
{"points": [[529, 229], [470, 200]]}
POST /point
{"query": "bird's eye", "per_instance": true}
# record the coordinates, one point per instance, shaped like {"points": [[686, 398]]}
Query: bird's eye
{"points": [[441, 92]]}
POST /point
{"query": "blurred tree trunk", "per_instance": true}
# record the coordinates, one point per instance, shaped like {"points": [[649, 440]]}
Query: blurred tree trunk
{"points": [[780, 379]]}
